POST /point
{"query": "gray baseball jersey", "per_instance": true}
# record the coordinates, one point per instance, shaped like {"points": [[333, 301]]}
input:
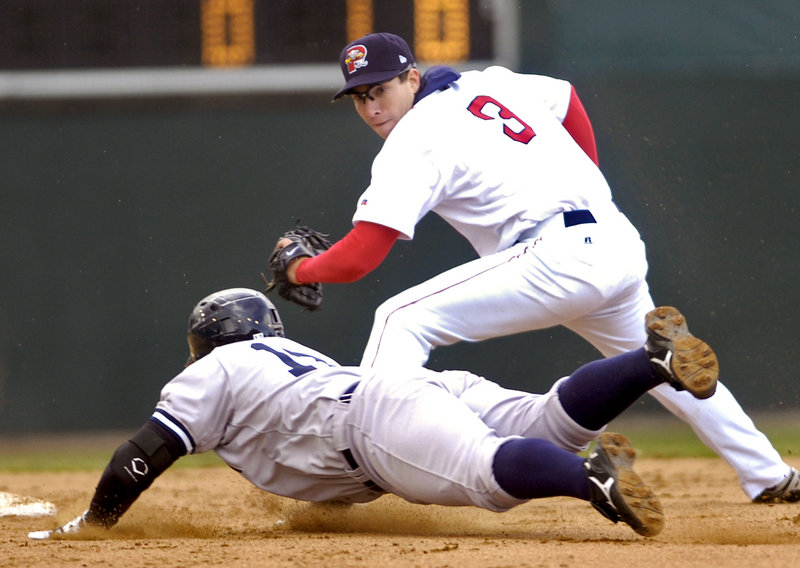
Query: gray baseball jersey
{"points": [[284, 416]]}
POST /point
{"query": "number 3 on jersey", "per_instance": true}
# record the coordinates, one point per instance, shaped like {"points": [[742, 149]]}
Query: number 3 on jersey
{"points": [[518, 131]]}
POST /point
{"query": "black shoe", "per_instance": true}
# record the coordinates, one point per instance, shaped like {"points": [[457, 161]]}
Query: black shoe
{"points": [[617, 491], [787, 491], [684, 361]]}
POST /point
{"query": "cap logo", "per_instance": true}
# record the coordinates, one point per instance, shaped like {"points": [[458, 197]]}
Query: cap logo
{"points": [[403, 59], [356, 58]]}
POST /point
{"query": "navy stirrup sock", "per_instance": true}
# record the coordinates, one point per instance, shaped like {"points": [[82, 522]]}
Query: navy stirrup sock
{"points": [[600, 391], [532, 468]]}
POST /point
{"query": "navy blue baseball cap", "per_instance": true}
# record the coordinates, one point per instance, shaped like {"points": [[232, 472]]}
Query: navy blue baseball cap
{"points": [[374, 58]]}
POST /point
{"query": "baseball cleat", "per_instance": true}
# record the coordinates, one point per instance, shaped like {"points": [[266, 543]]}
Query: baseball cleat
{"points": [[616, 491], [684, 361], [787, 491]]}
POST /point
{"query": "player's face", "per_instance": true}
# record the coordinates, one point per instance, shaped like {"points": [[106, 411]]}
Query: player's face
{"points": [[382, 106]]}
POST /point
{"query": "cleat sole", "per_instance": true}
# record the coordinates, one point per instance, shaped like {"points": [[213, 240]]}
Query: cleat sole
{"points": [[640, 508], [694, 363]]}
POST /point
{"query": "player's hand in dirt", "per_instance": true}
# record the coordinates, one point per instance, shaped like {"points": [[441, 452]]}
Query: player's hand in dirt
{"points": [[74, 526]]}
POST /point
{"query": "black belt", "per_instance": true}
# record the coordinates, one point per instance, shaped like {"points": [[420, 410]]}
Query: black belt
{"points": [[346, 397], [578, 217]]}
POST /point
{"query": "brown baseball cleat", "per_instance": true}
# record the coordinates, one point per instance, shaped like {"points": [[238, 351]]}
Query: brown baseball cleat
{"points": [[617, 492], [685, 362]]}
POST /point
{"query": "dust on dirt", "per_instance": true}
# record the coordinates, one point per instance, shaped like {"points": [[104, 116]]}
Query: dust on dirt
{"points": [[210, 516]]}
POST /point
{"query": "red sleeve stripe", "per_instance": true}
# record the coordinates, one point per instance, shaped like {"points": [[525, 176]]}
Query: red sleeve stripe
{"points": [[579, 127]]}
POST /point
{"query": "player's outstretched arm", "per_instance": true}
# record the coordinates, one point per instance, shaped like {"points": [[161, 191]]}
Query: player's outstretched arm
{"points": [[352, 258], [132, 469]]}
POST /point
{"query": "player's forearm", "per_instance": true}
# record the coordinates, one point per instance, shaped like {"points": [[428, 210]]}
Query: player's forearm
{"points": [[112, 498], [356, 255], [132, 469]]}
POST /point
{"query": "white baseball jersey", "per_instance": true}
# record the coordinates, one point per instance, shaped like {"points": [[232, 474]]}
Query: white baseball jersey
{"points": [[490, 156], [274, 411]]}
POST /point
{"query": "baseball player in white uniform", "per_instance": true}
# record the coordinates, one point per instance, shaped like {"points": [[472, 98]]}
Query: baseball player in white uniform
{"points": [[508, 160], [295, 423]]}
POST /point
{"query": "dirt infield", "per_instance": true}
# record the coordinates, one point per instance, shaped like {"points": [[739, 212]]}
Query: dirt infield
{"points": [[212, 517]]}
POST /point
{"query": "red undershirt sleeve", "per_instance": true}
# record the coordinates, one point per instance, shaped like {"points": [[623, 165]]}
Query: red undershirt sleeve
{"points": [[579, 127], [356, 255]]}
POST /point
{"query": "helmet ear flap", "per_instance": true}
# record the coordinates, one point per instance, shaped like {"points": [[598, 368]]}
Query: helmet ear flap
{"points": [[274, 319], [199, 347]]}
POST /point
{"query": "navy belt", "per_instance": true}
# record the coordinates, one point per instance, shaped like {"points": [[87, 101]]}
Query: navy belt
{"points": [[571, 218], [578, 217], [346, 397]]}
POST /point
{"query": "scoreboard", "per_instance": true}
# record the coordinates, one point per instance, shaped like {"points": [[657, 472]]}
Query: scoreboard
{"points": [[124, 34]]}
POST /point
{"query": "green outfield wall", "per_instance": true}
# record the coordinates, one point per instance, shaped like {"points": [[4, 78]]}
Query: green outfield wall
{"points": [[118, 215]]}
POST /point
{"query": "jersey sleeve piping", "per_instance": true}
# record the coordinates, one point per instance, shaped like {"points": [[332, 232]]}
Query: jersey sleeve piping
{"points": [[175, 428]]}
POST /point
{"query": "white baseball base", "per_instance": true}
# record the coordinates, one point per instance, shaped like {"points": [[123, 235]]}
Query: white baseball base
{"points": [[20, 506]]}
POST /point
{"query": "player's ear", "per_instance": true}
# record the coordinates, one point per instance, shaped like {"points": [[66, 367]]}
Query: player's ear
{"points": [[415, 79]]}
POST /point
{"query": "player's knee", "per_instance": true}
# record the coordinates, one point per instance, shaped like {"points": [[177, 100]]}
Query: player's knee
{"points": [[399, 336], [399, 317]]}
